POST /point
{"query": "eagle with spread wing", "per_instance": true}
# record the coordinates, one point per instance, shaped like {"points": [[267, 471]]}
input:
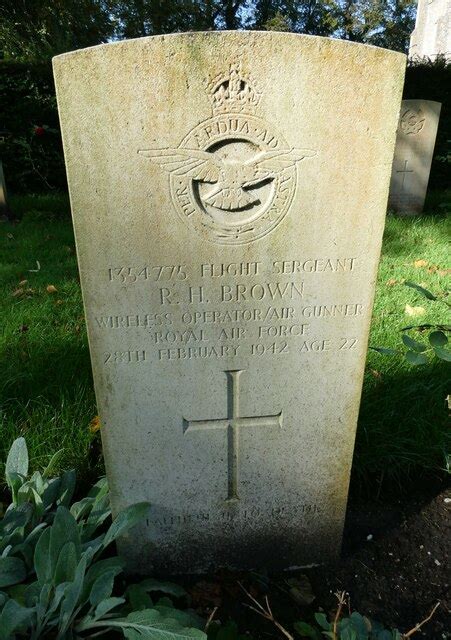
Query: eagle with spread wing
{"points": [[231, 177]]}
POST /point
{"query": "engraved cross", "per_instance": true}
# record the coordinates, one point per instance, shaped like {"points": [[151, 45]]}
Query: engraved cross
{"points": [[232, 425], [404, 171]]}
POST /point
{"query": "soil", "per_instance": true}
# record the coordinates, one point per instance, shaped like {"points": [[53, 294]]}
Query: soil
{"points": [[402, 571], [394, 568]]}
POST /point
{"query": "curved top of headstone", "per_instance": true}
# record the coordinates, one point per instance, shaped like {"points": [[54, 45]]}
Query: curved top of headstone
{"points": [[167, 91], [244, 36], [418, 100]]}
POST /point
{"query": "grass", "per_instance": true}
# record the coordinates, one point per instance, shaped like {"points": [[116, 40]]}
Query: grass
{"points": [[403, 426], [46, 390]]}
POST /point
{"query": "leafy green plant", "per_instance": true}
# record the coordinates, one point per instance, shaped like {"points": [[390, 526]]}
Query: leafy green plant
{"points": [[353, 627], [55, 578], [227, 631], [436, 343], [39, 491], [33, 505]]}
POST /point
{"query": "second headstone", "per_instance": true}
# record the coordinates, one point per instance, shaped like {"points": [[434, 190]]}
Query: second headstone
{"points": [[415, 142]]}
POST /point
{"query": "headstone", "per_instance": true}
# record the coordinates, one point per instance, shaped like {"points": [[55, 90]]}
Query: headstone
{"points": [[5, 211], [4, 208], [415, 141], [432, 34], [228, 193]]}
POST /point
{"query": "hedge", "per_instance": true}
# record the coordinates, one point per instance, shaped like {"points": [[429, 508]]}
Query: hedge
{"points": [[31, 148]]}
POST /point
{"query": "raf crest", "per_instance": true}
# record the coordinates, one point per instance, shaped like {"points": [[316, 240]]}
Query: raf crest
{"points": [[232, 177], [411, 122]]}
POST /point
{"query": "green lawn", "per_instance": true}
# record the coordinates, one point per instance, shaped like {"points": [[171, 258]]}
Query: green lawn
{"points": [[45, 380]]}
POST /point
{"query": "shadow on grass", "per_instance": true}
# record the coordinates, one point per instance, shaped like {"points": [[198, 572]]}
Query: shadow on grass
{"points": [[46, 395], [43, 370], [402, 436], [42, 206]]}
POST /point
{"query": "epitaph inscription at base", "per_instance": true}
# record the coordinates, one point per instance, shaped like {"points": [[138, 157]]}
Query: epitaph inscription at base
{"points": [[228, 226]]}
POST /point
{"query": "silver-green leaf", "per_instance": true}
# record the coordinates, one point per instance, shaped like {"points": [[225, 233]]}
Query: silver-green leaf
{"points": [[170, 588], [125, 520], [13, 617], [413, 344], [443, 354], [63, 530], [438, 339], [66, 565], [42, 557], [107, 605], [424, 292], [150, 624], [415, 358], [102, 588], [17, 460], [12, 571], [386, 351]]}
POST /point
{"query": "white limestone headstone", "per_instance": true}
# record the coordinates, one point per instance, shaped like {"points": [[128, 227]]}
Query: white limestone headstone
{"points": [[4, 209], [228, 193], [432, 34], [415, 142]]}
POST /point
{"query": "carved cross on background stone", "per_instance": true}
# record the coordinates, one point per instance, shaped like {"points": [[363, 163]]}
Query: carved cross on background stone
{"points": [[404, 171]]}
